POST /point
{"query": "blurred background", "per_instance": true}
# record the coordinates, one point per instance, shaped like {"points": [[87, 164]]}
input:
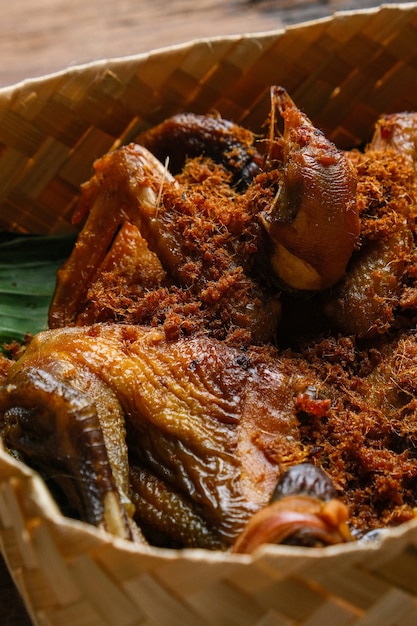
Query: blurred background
{"points": [[42, 36]]}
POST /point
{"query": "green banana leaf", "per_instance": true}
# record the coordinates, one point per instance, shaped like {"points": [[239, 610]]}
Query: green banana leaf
{"points": [[28, 266]]}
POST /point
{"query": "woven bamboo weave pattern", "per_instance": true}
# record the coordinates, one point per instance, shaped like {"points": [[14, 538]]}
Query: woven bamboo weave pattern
{"points": [[71, 573], [343, 71]]}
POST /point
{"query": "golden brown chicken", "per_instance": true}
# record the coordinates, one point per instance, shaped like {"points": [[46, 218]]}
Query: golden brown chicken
{"points": [[188, 437], [378, 291], [219, 254], [182, 443], [159, 402]]}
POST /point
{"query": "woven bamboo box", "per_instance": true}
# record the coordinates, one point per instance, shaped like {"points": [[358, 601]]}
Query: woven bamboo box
{"points": [[343, 71]]}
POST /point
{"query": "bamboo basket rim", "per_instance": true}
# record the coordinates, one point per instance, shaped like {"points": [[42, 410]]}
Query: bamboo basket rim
{"points": [[228, 58], [28, 512], [104, 62], [45, 507]]}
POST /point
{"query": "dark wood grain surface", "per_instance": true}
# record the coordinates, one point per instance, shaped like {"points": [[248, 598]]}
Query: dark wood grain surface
{"points": [[38, 37]]}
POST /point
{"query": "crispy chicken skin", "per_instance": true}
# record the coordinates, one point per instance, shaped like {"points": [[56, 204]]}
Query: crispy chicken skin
{"points": [[201, 234], [226, 251], [231, 354], [186, 135], [181, 443], [397, 132], [377, 292], [214, 424], [313, 221]]}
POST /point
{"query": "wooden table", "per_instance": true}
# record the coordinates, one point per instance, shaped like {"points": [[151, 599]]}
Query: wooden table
{"points": [[43, 36]]}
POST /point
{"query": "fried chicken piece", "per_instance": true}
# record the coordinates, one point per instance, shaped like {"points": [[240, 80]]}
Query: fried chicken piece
{"points": [[203, 238], [208, 426], [365, 302], [231, 229], [181, 443], [304, 510], [187, 135], [163, 433], [313, 222], [371, 297], [397, 132]]}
